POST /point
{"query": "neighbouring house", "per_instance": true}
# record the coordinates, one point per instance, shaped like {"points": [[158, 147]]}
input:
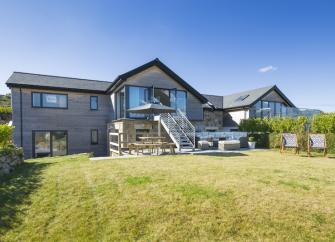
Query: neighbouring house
{"points": [[56, 115], [257, 103]]}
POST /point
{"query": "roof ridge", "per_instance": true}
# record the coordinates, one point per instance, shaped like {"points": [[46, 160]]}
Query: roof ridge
{"points": [[83, 79], [212, 95], [270, 86]]}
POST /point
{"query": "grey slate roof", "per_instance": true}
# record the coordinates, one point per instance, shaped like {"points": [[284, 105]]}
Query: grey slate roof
{"points": [[236, 100], [56, 82], [216, 100], [249, 98]]}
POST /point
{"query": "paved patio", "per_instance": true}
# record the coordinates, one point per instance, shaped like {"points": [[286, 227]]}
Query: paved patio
{"points": [[195, 152]]}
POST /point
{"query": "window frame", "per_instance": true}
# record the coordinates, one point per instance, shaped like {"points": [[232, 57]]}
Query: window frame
{"points": [[51, 142], [94, 109], [97, 142], [125, 89], [49, 93]]}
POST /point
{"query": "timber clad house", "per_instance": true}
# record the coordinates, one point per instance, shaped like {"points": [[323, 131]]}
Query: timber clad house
{"points": [[56, 115]]}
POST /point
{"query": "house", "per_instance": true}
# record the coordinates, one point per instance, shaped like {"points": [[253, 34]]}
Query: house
{"points": [[263, 102], [56, 115]]}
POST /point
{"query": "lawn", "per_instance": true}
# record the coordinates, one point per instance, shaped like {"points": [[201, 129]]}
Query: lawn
{"points": [[260, 195]]}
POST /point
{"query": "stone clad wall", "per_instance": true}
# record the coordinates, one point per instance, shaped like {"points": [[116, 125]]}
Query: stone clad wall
{"points": [[212, 120], [9, 159]]}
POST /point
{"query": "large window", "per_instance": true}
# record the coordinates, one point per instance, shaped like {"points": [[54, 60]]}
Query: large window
{"points": [[266, 109], [120, 103], [49, 143], [137, 96], [162, 95], [134, 96], [178, 100], [93, 102], [49, 100]]}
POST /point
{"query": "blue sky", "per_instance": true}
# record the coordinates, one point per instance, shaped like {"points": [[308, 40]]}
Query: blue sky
{"points": [[219, 47]]}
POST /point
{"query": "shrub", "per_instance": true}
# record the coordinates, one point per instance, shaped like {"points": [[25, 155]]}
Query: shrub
{"points": [[276, 125], [254, 125], [5, 114], [5, 110], [262, 140], [274, 140], [323, 123], [5, 135]]}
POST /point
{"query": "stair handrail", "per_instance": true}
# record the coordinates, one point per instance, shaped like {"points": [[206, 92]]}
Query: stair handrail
{"points": [[186, 126], [172, 126], [178, 128]]}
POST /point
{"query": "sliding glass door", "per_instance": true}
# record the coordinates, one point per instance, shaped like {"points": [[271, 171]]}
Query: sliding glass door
{"points": [[49, 143], [178, 100], [137, 96], [42, 144]]}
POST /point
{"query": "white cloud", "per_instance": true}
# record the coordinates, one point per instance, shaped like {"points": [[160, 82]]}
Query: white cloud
{"points": [[267, 69]]}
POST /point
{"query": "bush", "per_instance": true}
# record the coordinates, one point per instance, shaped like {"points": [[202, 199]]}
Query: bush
{"points": [[323, 123], [6, 133], [5, 114], [255, 125], [5, 110], [262, 140], [260, 129]]}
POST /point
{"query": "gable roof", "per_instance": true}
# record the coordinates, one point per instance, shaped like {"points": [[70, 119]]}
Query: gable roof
{"points": [[215, 100], [156, 62], [249, 98], [31, 80]]}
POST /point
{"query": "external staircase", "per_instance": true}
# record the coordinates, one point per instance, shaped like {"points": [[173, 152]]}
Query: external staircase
{"points": [[179, 128]]}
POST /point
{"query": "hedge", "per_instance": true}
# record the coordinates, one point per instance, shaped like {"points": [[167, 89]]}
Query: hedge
{"points": [[267, 131], [6, 133], [320, 123], [323, 123], [276, 125]]}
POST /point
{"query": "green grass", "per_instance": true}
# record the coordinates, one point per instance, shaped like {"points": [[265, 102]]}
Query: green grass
{"points": [[252, 196]]}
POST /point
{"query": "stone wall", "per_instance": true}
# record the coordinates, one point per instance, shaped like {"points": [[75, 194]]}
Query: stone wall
{"points": [[213, 120], [9, 159]]}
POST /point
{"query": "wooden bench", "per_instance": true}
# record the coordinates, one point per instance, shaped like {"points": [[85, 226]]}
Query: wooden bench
{"points": [[155, 146]]}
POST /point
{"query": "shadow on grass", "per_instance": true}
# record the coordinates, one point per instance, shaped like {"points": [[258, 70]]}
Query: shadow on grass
{"points": [[222, 154], [15, 189]]}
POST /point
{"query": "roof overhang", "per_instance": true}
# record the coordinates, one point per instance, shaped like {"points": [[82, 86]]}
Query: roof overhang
{"points": [[156, 62], [11, 85]]}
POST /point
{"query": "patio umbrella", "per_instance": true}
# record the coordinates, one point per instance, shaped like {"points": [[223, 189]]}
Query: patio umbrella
{"points": [[152, 108]]}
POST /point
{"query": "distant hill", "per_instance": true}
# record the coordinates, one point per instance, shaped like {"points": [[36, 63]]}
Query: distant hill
{"points": [[5, 100]]}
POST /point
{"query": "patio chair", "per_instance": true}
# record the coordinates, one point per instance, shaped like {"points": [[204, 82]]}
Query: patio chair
{"points": [[317, 141], [289, 141]]}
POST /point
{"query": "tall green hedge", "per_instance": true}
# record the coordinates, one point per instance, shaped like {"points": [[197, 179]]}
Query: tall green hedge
{"points": [[323, 123], [276, 125], [267, 131]]}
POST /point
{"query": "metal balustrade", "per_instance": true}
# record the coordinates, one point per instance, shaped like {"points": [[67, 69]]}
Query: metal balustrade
{"points": [[179, 128]]}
